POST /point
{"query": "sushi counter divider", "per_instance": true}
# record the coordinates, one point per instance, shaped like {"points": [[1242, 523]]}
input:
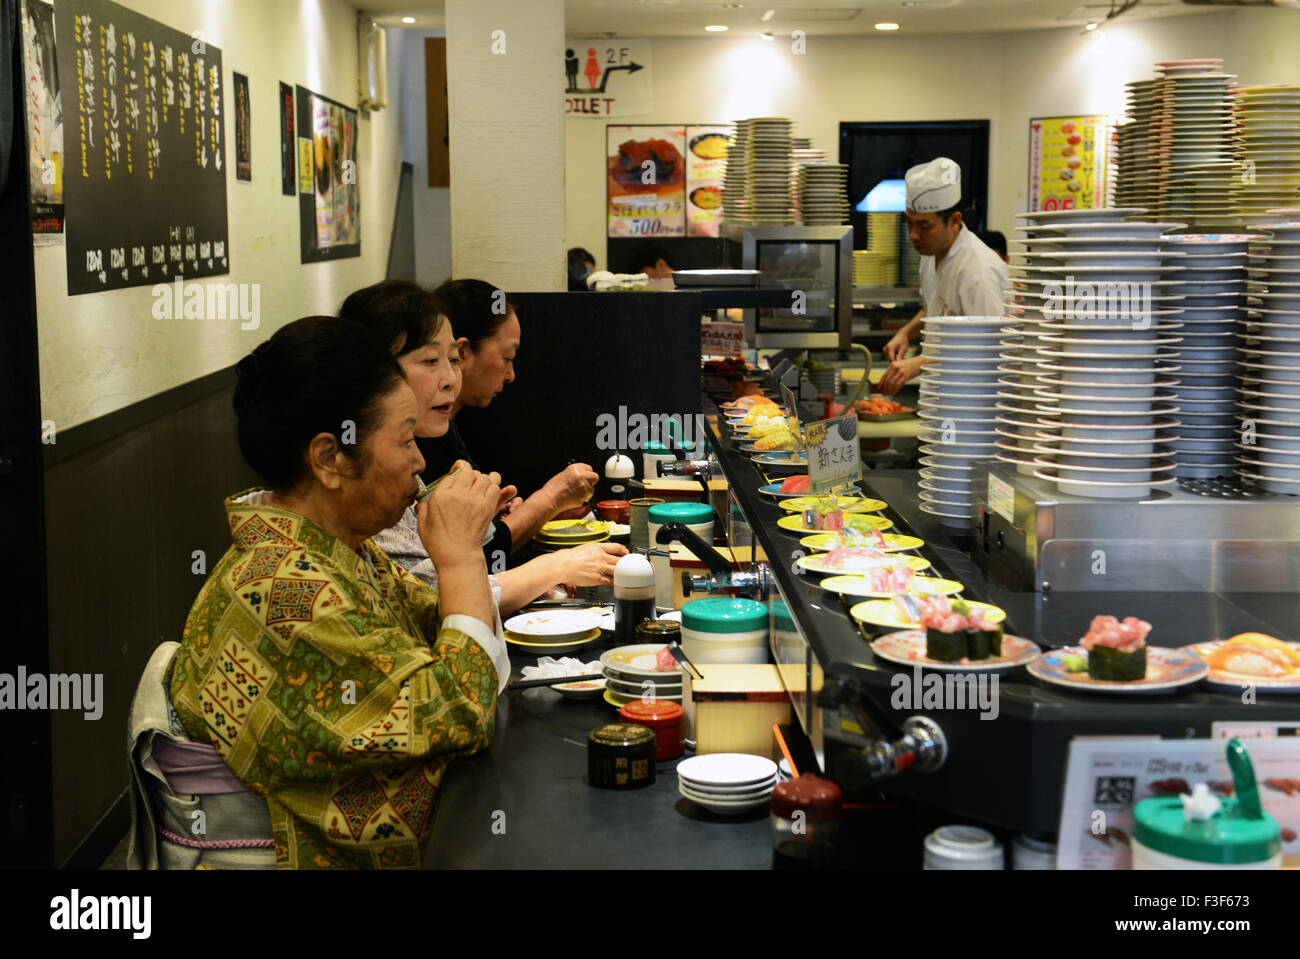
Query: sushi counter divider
{"points": [[1005, 765]]}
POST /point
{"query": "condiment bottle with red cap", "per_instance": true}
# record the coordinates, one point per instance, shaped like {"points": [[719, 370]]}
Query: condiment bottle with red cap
{"points": [[806, 823]]}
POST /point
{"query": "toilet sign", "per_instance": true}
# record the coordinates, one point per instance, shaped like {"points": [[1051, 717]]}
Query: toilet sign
{"points": [[607, 78], [832, 447]]}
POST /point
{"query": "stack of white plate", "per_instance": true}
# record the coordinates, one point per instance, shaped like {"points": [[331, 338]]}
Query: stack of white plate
{"points": [[824, 193], [1269, 451], [826, 378], [1268, 148], [727, 783], [957, 408], [759, 180], [1195, 134], [1212, 283], [1102, 351]]}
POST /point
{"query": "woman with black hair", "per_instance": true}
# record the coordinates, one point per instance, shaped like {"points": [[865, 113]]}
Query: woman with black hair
{"points": [[331, 682], [488, 334], [405, 318]]}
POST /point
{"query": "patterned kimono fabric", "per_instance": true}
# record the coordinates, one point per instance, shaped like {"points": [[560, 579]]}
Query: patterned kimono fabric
{"points": [[309, 670]]}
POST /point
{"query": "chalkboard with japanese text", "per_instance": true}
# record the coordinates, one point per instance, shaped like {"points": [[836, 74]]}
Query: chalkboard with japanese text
{"points": [[144, 175]]}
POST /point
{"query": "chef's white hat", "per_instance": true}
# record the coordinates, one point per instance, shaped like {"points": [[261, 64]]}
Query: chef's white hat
{"points": [[934, 186]]}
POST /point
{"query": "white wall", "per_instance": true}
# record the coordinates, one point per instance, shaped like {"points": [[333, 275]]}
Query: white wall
{"points": [[1004, 78], [101, 352], [507, 135], [432, 204]]}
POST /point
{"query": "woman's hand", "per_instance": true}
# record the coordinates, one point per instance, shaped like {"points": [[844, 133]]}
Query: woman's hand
{"points": [[511, 504], [572, 487], [591, 565], [453, 520]]}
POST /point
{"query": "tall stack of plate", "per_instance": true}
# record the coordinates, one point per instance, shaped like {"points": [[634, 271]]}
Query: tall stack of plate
{"points": [[1268, 149], [957, 409], [735, 178], [824, 193], [1269, 451], [802, 152], [877, 265], [1103, 352], [759, 180], [1135, 148], [1212, 283], [1195, 137]]}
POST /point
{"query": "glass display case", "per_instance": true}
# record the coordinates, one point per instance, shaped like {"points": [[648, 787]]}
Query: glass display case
{"points": [[815, 265]]}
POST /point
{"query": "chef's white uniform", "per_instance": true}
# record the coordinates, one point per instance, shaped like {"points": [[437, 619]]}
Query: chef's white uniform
{"points": [[971, 280]]}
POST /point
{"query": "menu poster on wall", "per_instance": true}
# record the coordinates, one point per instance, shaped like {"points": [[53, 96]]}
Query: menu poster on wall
{"points": [[706, 164], [243, 132], [1067, 163], [330, 205], [44, 121], [144, 180], [646, 180], [287, 140], [607, 78]]}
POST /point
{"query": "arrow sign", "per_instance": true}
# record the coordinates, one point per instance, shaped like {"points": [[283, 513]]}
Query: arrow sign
{"points": [[629, 67]]}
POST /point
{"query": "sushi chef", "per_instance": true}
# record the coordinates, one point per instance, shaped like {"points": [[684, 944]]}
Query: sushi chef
{"points": [[960, 275]]}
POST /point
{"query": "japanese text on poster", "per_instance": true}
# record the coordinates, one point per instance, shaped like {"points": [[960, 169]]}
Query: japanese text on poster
{"points": [[1067, 163]]}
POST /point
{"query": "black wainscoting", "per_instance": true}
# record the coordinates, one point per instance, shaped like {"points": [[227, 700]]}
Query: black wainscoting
{"points": [[582, 355], [129, 498]]}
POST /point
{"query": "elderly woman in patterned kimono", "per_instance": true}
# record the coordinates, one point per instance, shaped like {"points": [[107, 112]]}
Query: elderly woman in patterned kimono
{"points": [[333, 683]]}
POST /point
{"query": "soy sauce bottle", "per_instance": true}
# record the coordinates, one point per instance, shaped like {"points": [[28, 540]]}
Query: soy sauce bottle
{"points": [[634, 596]]}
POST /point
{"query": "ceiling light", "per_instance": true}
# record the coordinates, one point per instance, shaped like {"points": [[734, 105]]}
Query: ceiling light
{"points": [[715, 28], [768, 16], [408, 19], [733, 6], [886, 26], [768, 36], [1091, 26]]}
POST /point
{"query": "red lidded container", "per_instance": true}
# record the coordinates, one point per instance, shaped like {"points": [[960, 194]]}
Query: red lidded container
{"points": [[615, 510], [665, 718]]}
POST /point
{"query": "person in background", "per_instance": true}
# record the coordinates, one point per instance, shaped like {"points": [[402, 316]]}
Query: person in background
{"points": [[488, 336], [404, 317], [996, 242], [652, 259], [581, 266], [304, 607], [960, 275]]}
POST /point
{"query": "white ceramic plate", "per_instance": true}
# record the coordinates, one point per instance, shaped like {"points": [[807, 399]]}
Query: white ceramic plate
{"points": [[726, 769], [553, 623]]}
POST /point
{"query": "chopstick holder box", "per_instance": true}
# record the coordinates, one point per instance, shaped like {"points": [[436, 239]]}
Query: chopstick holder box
{"points": [[733, 708]]}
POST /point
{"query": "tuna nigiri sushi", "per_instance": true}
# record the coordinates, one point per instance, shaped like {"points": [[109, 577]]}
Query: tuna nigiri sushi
{"points": [[1117, 652]]}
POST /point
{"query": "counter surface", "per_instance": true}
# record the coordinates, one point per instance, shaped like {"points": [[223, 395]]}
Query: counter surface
{"points": [[525, 802]]}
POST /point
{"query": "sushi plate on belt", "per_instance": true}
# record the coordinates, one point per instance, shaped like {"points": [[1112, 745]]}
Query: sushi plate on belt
{"points": [[774, 490], [1167, 670], [1223, 679], [883, 612], [907, 648]]}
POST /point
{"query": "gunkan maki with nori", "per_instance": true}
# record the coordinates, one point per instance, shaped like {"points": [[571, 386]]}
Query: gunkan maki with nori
{"points": [[1117, 652], [955, 631]]}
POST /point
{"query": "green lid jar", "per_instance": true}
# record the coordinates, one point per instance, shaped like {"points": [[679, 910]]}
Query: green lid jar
{"points": [[724, 614], [1164, 839], [690, 514]]}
